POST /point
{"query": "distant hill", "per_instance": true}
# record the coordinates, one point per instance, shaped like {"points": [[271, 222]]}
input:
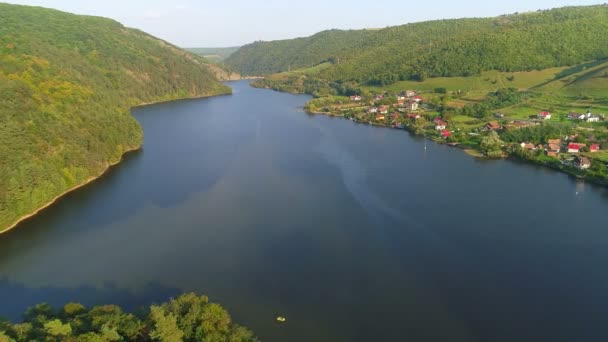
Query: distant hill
{"points": [[66, 85], [442, 48], [215, 55]]}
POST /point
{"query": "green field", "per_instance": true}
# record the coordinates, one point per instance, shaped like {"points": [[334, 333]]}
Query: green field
{"points": [[215, 55], [486, 82]]}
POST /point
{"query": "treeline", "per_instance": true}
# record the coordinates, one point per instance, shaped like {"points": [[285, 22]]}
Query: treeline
{"points": [[461, 47], [187, 318], [66, 85]]}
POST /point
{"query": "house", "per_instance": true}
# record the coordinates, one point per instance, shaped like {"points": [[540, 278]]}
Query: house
{"points": [[378, 97], [544, 115], [413, 116], [593, 118], [594, 148], [575, 148], [582, 163], [528, 146], [554, 142], [412, 106], [553, 150], [440, 125], [446, 134], [410, 93], [499, 115], [356, 98], [438, 119], [576, 116], [383, 109], [418, 99], [372, 110], [380, 117], [401, 98], [493, 126], [400, 102]]}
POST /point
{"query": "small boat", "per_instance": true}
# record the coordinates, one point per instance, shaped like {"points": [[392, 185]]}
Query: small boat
{"points": [[281, 319]]}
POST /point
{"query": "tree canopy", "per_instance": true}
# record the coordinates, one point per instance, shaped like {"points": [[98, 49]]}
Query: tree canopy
{"points": [[460, 47], [188, 318]]}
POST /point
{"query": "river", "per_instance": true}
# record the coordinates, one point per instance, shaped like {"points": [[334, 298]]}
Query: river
{"points": [[352, 232]]}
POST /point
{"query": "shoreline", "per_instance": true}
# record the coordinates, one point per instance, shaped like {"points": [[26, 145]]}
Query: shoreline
{"points": [[477, 154], [90, 180], [69, 191], [180, 99]]}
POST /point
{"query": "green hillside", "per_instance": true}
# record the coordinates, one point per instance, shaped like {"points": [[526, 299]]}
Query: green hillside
{"points": [[214, 54], [461, 47], [66, 85], [587, 80]]}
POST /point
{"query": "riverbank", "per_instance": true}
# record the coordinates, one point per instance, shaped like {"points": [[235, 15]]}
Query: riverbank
{"points": [[106, 169], [69, 191], [476, 153]]}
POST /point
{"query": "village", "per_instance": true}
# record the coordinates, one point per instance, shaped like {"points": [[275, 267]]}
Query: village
{"points": [[409, 110]]}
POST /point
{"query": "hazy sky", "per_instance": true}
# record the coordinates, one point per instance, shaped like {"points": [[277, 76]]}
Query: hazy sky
{"points": [[211, 23]]}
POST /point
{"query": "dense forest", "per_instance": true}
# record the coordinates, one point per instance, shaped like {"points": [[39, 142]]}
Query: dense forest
{"points": [[186, 318], [461, 47], [66, 85]]}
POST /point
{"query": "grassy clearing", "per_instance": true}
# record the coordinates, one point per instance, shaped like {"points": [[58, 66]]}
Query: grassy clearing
{"points": [[484, 83], [312, 71]]}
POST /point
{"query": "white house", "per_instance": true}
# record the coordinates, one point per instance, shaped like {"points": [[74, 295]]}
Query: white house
{"points": [[412, 106]]}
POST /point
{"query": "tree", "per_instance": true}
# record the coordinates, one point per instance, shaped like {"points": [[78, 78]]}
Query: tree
{"points": [[57, 329], [165, 326], [420, 125], [5, 338], [491, 145], [73, 309]]}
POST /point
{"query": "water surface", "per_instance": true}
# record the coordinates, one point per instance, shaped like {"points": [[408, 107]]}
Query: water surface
{"points": [[353, 232]]}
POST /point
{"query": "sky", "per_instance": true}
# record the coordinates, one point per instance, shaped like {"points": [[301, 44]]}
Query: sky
{"points": [[223, 23]]}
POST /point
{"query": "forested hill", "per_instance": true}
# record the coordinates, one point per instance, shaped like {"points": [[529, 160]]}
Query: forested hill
{"points": [[66, 85], [459, 47]]}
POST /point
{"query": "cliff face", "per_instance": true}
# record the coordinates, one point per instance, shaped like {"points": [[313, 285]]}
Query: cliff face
{"points": [[223, 74]]}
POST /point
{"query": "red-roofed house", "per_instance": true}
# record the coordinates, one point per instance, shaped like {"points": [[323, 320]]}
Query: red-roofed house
{"points": [[544, 115], [446, 134], [493, 126], [383, 109], [575, 148], [594, 148], [413, 116], [418, 99], [356, 98], [380, 117]]}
